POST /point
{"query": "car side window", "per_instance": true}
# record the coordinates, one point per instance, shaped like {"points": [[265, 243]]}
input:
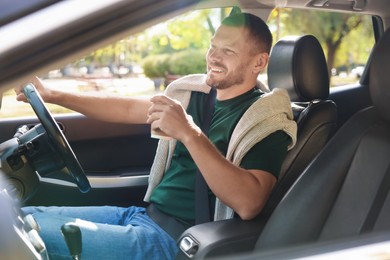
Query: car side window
{"points": [[142, 64], [145, 63], [346, 39]]}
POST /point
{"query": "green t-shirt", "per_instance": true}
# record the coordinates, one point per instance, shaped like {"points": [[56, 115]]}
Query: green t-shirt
{"points": [[175, 195]]}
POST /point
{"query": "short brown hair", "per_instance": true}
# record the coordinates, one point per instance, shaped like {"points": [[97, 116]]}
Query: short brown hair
{"points": [[257, 28]]}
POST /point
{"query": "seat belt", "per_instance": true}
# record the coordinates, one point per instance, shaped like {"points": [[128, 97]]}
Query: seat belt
{"points": [[377, 205], [202, 203]]}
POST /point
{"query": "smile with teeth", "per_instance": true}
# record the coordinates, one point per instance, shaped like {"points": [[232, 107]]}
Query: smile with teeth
{"points": [[216, 70]]}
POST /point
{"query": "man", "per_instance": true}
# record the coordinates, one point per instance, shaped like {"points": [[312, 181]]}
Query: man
{"points": [[249, 135]]}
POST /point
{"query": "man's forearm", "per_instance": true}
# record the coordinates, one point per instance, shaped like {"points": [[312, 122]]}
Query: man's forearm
{"points": [[104, 107]]}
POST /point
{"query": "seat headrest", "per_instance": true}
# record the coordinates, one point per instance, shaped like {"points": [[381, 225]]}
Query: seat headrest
{"points": [[379, 76], [297, 63]]}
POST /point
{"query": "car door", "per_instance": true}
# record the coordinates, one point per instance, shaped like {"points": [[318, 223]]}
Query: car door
{"points": [[116, 158]]}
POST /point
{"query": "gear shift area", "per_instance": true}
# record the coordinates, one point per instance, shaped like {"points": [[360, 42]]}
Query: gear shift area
{"points": [[72, 235]]}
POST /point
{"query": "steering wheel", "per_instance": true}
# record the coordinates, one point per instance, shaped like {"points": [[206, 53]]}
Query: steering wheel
{"points": [[57, 137]]}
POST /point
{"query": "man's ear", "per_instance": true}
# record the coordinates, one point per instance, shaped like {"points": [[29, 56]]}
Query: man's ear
{"points": [[261, 61]]}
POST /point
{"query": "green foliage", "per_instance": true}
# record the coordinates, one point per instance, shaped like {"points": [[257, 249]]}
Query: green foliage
{"points": [[156, 66], [187, 62], [337, 33], [180, 63], [192, 30], [189, 31], [346, 39], [351, 50]]}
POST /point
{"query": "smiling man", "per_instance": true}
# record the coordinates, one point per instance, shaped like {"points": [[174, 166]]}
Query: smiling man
{"points": [[237, 55], [240, 158]]}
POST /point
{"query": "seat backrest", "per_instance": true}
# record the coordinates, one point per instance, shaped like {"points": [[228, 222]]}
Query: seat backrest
{"points": [[344, 191], [297, 64]]}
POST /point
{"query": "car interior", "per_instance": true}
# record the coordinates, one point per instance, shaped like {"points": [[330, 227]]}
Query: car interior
{"points": [[347, 196], [344, 190], [333, 192], [298, 64]]}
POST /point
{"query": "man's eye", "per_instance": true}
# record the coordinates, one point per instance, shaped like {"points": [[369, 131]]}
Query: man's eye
{"points": [[228, 52]]}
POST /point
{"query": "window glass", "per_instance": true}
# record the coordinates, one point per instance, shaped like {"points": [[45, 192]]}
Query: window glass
{"points": [[140, 64], [346, 39], [144, 63]]}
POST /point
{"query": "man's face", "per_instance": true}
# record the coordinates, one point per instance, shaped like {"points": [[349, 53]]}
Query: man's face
{"points": [[229, 59]]}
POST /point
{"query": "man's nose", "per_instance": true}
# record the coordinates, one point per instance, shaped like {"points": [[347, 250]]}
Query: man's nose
{"points": [[214, 55]]}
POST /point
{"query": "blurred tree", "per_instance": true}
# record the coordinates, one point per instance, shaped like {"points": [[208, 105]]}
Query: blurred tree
{"points": [[331, 29], [192, 30]]}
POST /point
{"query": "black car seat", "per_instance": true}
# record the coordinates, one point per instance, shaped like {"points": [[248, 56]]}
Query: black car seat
{"points": [[344, 192], [297, 64]]}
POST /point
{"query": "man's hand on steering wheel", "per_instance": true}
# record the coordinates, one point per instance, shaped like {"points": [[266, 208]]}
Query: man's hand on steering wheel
{"points": [[43, 91]]}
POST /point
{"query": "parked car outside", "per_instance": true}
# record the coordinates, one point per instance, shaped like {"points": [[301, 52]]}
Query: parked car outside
{"points": [[358, 71]]}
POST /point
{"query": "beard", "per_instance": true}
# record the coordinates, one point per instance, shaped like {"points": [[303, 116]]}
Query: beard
{"points": [[232, 78]]}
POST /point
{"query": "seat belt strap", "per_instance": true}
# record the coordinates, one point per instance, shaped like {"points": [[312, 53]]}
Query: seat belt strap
{"points": [[377, 205], [202, 203]]}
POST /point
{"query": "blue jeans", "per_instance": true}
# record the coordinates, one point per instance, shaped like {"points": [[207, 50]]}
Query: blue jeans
{"points": [[107, 232]]}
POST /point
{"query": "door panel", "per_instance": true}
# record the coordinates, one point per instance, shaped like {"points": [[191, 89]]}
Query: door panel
{"points": [[116, 157]]}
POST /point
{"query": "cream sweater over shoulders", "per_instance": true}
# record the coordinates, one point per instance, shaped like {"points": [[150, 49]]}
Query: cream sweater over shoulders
{"points": [[270, 113]]}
